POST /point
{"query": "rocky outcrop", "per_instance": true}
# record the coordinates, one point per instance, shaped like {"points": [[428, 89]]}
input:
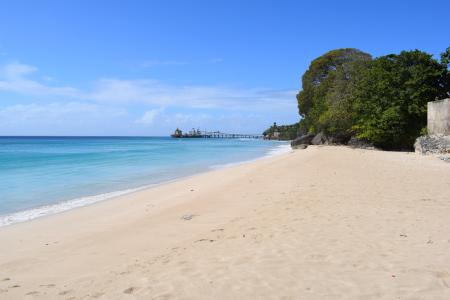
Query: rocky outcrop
{"points": [[433, 144], [316, 139], [302, 140], [354, 142], [301, 146], [321, 139]]}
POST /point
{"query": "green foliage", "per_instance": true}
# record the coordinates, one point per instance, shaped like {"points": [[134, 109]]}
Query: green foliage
{"points": [[445, 62], [286, 132], [383, 101], [391, 96], [445, 57], [325, 100]]}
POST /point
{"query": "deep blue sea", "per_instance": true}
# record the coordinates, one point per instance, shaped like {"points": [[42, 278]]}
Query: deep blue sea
{"points": [[46, 175]]}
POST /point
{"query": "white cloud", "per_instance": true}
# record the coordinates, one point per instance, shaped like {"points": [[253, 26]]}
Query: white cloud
{"points": [[187, 119], [144, 91], [16, 70], [149, 116], [153, 92], [14, 78], [54, 111], [111, 105], [59, 118], [160, 119]]}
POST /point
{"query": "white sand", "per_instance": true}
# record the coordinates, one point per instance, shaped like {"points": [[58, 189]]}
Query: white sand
{"points": [[320, 223]]}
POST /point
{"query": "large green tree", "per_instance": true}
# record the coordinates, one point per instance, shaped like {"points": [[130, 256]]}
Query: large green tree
{"points": [[391, 97], [324, 102], [445, 57]]}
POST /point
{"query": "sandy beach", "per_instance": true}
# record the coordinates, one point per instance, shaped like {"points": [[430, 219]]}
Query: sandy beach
{"points": [[320, 223]]}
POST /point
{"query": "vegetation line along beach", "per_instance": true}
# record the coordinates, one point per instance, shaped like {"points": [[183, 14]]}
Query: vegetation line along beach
{"points": [[346, 95]]}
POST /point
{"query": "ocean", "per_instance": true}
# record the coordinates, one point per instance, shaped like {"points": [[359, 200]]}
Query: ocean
{"points": [[46, 175]]}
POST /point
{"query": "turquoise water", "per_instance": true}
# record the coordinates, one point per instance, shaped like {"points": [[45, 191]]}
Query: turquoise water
{"points": [[44, 175]]}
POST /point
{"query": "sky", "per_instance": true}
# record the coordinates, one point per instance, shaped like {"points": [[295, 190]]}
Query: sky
{"points": [[144, 68]]}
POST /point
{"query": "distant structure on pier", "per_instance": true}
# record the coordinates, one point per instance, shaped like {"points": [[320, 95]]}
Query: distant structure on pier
{"points": [[197, 133]]}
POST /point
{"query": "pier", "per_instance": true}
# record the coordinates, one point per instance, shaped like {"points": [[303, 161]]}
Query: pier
{"points": [[214, 135]]}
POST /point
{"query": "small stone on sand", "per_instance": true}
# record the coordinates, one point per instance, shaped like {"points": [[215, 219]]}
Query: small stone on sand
{"points": [[129, 290], [187, 217]]}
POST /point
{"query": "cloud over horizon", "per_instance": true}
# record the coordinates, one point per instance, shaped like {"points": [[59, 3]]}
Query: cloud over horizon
{"points": [[147, 103]]}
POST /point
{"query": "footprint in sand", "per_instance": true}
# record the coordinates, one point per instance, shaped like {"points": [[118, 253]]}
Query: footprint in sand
{"points": [[97, 295], [62, 293], [32, 293], [130, 290], [204, 240], [164, 297]]}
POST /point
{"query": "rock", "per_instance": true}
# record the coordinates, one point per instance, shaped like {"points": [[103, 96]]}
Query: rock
{"points": [[433, 144], [445, 158], [321, 139], [187, 217], [301, 146], [354, 142], [130, 290], [302, 140]]}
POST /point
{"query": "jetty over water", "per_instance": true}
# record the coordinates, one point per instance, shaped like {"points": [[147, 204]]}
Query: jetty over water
{"points": [[196, 133]]}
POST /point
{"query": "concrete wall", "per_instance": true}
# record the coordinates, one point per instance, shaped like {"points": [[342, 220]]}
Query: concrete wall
{"points": [[439, 117]]}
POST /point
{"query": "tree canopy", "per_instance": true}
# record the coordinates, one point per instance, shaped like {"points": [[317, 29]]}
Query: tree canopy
{"points": [[326, 86], [384, 101], [391, 97]]}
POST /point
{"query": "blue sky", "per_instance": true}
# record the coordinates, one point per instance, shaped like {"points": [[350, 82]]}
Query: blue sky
{"points": [[146, 67]]}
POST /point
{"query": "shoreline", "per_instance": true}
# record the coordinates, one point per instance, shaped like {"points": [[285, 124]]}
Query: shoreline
{"points": [[66, 205], [324, 222]]}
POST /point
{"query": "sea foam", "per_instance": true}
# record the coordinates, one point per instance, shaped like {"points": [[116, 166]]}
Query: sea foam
{"points": [[51, 209]]}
